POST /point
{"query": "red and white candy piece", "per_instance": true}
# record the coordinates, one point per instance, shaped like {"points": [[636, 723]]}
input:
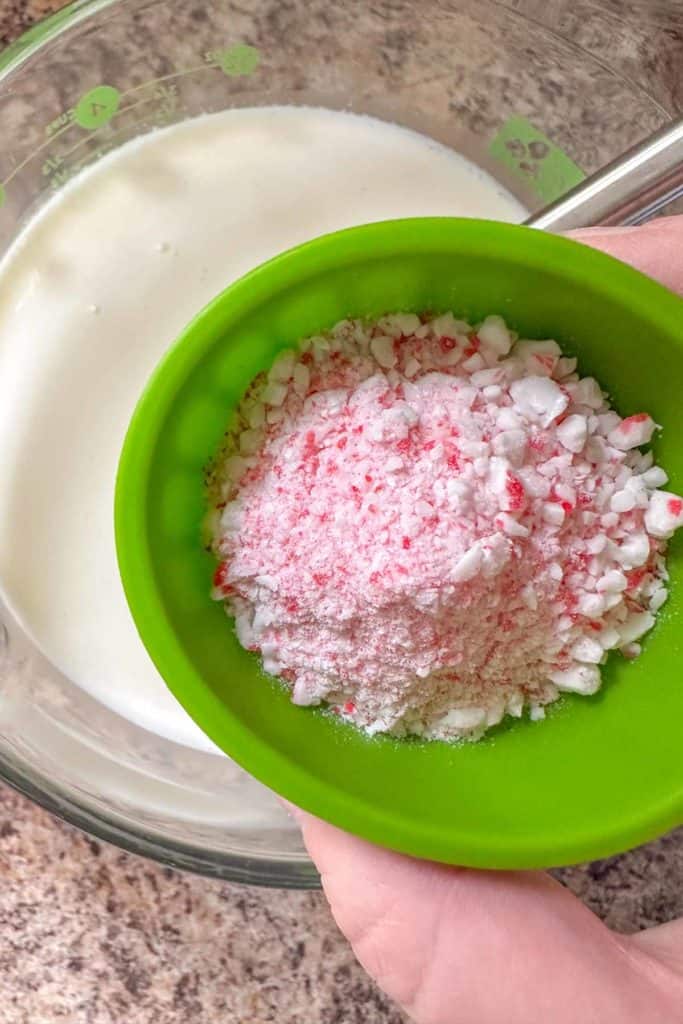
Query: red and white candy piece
{"points": [[632, 432], [539, 398], [573, 433], [664, 514], [578, 678]]}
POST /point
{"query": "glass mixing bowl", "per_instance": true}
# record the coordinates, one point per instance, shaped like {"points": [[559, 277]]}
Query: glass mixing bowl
{"points": [[508, 91]]}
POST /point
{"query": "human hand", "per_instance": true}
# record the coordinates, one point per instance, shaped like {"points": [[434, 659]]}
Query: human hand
{"points": [[456, 946], [655, 248]]}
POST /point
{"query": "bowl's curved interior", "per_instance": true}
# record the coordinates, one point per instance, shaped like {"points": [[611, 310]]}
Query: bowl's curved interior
{"points": [[600, 774]]}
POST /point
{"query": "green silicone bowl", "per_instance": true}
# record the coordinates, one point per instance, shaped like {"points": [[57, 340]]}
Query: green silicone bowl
{"points": [[601, 773]]}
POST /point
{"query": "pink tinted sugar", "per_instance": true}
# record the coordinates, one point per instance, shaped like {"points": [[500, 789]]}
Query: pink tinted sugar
{"points": [[403, 533]]}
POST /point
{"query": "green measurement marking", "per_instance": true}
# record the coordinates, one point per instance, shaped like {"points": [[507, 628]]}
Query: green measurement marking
{"points": [[531, 155], [97, 107], [238, 60], [3, 196]]}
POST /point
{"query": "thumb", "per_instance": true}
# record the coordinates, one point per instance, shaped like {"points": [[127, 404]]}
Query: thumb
{"points": [[483, 947], [655, 248]]}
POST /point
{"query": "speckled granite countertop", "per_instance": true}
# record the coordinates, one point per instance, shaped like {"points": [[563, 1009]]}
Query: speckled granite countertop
{"points": [[90, 935]]}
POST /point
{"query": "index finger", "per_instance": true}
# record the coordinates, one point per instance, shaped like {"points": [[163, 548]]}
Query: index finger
{"points": [[655, 248]]}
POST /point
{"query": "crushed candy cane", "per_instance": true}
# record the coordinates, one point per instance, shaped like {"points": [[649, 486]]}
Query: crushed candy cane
{"points": [[428, 525]]}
